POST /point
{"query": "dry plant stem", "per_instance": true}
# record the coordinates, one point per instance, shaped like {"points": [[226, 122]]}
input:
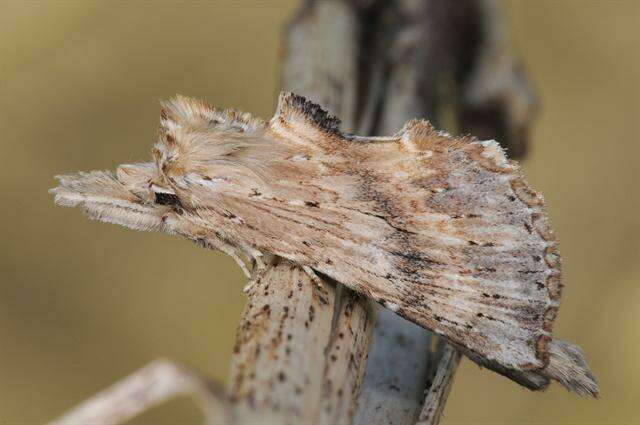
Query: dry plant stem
{"points": [[436, 396], [396, 373], [152, 385], [321, 53], [281, 364], [346, 358], [324, 46], [278, 361]]}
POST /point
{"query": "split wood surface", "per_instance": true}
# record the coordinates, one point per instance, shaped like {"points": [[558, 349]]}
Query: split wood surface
{"points": [[302, 344]]}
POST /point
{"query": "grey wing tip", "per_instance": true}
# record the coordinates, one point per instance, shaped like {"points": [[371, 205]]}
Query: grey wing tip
{"points": [[568, 366]]}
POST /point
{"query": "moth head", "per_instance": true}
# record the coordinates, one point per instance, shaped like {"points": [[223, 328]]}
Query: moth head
{"points": [[201, 150], [143, 180]]}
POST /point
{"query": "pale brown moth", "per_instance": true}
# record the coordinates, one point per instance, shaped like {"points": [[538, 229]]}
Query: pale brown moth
{"points": [[443, 231]]}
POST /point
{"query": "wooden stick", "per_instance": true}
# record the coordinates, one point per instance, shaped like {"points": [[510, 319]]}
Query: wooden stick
{"points": [[154, 384], [437, 393], [279, 360]]}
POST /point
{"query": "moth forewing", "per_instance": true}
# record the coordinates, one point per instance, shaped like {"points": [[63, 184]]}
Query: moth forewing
{"points": [[444, 231], [446, 248]]}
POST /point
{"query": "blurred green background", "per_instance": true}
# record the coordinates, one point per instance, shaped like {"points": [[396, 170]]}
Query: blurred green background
{"points": [[83, 303]]}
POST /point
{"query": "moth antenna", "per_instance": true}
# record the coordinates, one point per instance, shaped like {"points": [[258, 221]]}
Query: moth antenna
{"points": [[568, 366]]}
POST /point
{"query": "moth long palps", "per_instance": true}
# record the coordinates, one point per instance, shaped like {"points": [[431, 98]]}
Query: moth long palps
{"points": [[103, 197]]}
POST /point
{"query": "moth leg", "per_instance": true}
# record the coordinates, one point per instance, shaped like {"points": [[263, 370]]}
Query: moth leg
{"points": [[253, 281], [243, 265], [249, 286], [231, 251], [207, 239], [259, 271], [314, 277], [259, 267]]}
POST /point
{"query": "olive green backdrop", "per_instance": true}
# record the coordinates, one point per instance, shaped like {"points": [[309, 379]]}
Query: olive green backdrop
{"points": [[82, 303]]}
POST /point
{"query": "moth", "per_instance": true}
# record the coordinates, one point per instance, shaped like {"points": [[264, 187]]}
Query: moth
{"points": [[443, 231]]}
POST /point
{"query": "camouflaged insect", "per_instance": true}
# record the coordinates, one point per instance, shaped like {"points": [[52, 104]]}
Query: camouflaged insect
{"points": [[443, 231]]}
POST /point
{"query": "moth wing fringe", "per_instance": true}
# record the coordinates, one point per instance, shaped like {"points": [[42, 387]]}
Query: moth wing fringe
{"points": [[568, 366]]}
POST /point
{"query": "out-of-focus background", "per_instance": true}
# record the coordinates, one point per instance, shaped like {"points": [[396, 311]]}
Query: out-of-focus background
{"points": [[83, 304]]}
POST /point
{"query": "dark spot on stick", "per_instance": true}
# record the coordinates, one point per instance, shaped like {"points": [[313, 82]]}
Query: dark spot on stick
{"points": [[312, 313]]}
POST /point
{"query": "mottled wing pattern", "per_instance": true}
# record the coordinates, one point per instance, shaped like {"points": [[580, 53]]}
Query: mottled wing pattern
{"points": [[443, 231]]}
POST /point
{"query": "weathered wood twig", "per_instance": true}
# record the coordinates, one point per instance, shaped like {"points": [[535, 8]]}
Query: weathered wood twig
{"points": [[438, 390], [289, 360], [152, 385]]}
